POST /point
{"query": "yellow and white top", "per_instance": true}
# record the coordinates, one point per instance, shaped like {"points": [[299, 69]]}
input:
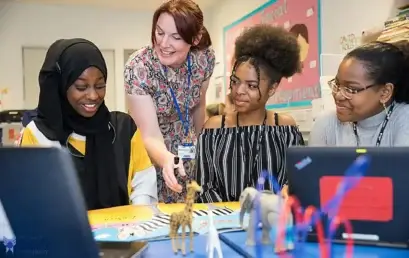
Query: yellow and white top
{"points": [[142, 188]]}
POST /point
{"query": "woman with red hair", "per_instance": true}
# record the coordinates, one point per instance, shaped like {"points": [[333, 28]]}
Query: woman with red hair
{"points": [[166, 84]]}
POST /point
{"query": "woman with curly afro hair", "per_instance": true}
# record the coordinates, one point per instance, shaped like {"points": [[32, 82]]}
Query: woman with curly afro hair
{"points": [[235, 148]]}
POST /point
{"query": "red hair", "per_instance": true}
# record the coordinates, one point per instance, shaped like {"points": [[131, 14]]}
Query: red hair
{"points": [[188, 19]]}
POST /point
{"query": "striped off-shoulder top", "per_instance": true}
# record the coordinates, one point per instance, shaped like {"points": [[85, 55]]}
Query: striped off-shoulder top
{"points": [[231, 159]]}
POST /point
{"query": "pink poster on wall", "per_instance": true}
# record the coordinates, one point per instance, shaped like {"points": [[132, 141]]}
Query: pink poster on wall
{"points": [[301, 18]]}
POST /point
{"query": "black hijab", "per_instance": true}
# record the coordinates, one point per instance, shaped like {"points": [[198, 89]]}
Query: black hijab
{"points": [[65, 61]]}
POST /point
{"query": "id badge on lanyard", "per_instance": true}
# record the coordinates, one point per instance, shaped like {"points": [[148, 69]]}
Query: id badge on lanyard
{"points": [[187, 148], [187, 151]]}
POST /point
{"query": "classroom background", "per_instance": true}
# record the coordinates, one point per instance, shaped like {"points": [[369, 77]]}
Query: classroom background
{"points": [[28, 27]]}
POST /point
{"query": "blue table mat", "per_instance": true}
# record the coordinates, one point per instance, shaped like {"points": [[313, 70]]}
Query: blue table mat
{"points": [[311, 249], [163, 249]]}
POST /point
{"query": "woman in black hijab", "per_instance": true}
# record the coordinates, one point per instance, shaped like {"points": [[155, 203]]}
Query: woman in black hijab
{"points": [[72, 114]]}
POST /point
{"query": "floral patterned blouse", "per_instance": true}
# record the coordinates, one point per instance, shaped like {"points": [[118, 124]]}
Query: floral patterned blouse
{"points": [[145, 75]]}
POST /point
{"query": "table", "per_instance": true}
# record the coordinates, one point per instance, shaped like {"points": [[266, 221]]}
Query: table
{"points": [[128, 214], [311, 249], [164, 249]]}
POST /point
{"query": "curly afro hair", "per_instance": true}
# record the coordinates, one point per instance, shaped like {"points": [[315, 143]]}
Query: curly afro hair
{"points": [[270, 48]]}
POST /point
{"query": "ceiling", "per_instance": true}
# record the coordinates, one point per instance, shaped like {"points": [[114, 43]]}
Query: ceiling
{"points": [[138, 5]]}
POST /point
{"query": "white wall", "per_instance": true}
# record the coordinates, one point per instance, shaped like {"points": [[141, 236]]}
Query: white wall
{"points": [[40, 25], [338, 18]]}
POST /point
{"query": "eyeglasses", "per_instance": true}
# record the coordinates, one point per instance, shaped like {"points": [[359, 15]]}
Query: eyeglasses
{"points": [[346, 92]]}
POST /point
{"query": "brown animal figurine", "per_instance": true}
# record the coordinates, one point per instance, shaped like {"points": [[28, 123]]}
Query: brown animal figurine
{"points": [[183, 219]]}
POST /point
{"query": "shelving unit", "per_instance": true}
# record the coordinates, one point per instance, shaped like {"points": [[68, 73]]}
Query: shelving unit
{"points": [[396, 28]]}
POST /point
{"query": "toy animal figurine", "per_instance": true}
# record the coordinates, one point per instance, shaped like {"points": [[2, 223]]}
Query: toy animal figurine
{"points": [[270, 206], [184, 219], [213, 241]]}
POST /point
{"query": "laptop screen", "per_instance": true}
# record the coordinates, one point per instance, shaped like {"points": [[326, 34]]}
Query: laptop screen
{"points": [[376, 206], [40, 192]]}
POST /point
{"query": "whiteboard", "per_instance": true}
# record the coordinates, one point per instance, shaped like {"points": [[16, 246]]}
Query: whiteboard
{"points": [[33, 58]]}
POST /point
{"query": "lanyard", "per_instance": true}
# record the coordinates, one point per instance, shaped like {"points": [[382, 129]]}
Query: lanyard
{"points": [[185, 121], [384, 123]]}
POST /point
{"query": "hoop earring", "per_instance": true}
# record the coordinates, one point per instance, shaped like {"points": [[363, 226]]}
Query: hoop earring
{"points": [[384, 108]]}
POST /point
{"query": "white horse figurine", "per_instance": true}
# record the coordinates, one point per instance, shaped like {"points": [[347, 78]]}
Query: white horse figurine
{"points": [[213, 241]]}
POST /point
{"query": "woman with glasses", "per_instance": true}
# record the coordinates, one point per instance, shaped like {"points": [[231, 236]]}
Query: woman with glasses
{"points": [[235, 148], [371, 93]]}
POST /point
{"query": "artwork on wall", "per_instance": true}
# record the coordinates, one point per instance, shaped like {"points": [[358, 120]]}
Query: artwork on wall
{"points": [[349, 42], [303, 19]]}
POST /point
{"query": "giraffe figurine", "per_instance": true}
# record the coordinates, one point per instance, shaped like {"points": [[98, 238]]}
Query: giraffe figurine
{"points": [[184, 219]]}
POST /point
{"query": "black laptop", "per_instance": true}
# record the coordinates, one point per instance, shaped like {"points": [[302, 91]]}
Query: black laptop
{"points": [[377, 206], [43, 202]]}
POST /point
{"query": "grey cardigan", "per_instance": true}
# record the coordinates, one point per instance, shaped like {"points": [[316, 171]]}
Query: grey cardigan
{"points": [[329, 131]]}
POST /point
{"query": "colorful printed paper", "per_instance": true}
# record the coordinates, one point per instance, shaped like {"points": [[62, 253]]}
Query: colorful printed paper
{"points": [[130, 223]]}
